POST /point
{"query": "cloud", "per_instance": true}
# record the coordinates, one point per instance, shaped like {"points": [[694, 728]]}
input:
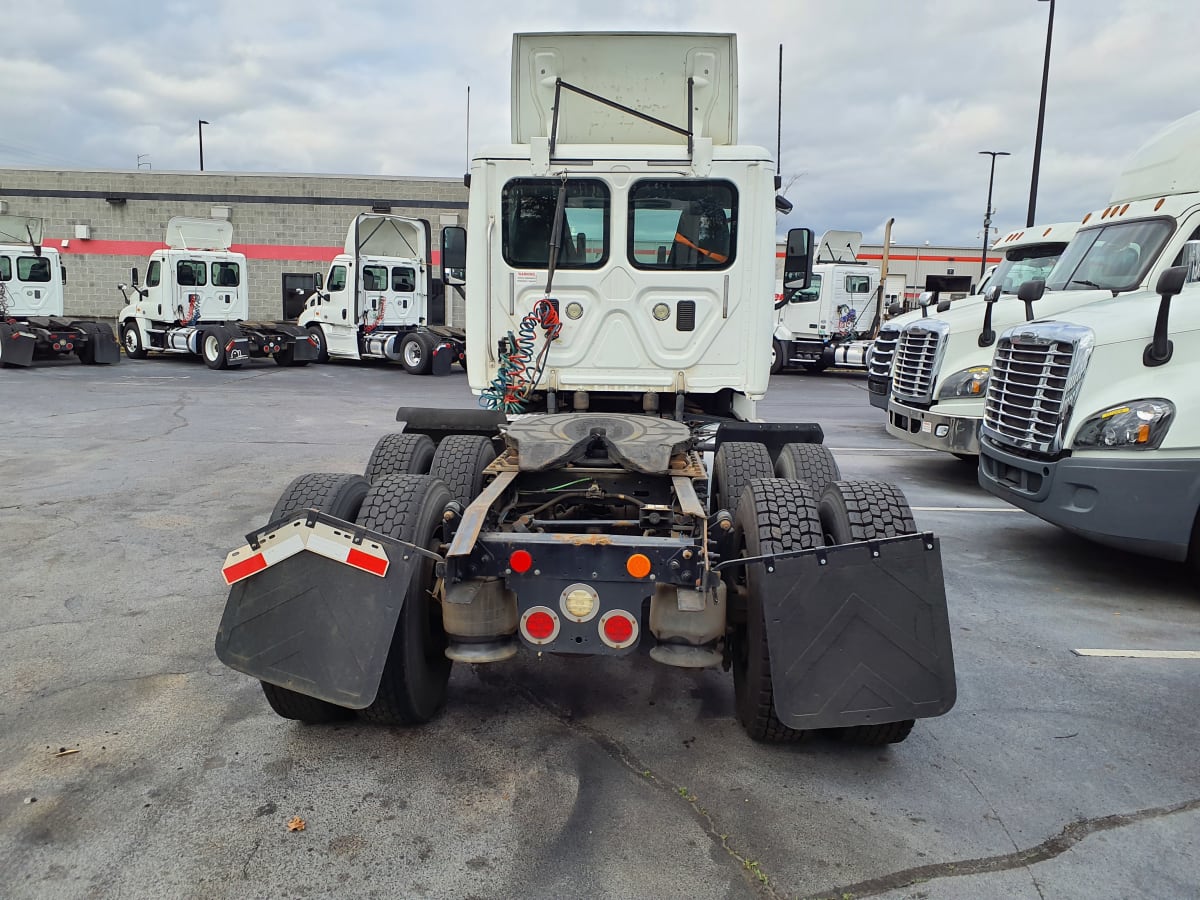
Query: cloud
{"points": [[886, 104]]}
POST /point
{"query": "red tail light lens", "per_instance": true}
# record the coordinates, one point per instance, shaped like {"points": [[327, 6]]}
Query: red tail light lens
{"points": [[618, 629], [520, 562]]}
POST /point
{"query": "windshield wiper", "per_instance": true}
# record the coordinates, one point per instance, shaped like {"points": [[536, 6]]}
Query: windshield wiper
{"points": [[1084, 282]]}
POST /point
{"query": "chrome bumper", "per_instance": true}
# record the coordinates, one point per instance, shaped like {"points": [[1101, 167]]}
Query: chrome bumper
{"points": [[926, 428]]}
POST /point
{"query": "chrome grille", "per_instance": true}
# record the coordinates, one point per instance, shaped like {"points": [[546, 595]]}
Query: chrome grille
{"points": [[882, 351], [917, 355], [1034, 379]]}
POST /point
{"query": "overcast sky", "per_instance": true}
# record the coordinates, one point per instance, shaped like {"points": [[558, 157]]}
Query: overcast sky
{"points": [[886, 102]]}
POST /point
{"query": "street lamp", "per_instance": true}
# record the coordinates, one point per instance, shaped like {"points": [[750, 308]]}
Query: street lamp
{"points": [[200, 130], [1037, 144], [987, 212]]}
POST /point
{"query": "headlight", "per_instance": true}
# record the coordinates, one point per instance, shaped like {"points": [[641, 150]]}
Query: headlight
{"points": [[1137, 425], [970, 382]]}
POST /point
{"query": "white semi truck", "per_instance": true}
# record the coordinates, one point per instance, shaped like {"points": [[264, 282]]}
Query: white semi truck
{"points": [[619, 263], [1027, 253], [196, 301], [32, 321], [1093, 422], [832, 320], [379, 299], [942, 365]]}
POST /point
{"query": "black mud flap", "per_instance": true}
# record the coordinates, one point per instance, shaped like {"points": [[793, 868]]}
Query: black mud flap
{"points": [[316, 626], [18, 347], [106, 351], [443, 357], [304, 350], [859, 634]]}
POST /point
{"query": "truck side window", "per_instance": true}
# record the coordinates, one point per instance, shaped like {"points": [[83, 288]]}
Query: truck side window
{"points": [[191, 273], [527, 211], [33, 268], [226, 274], [5, 268], [154, 273], [375, 278], [337, 278], [858, 284], [404, 279], [682, 224], [809, 294]]}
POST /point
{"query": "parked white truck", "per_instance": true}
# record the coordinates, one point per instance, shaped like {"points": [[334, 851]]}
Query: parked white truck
{"points": [[196, 301], [941, 366], [1093, 422], [379, 299], [32, 286], [619, 268], [830, 322], [1027, 253]]}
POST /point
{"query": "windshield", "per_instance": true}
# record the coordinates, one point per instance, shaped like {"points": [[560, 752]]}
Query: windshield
{"points": [[1112, 257], [1023, 264]]}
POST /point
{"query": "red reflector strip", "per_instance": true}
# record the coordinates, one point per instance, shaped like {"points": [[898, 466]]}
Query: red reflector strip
{"points": [[244, 569], [366, 562]]}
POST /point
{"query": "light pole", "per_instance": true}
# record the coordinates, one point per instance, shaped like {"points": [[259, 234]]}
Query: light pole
{"points": [[987, 211], [1037, 144], [200, 130]]}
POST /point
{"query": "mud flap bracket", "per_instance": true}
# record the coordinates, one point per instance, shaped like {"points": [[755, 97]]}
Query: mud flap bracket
{"points": [[859, 633]]}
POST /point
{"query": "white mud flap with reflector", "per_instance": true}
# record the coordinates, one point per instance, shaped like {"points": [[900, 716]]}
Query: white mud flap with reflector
{"points": [[859, 633], [313, 605]]}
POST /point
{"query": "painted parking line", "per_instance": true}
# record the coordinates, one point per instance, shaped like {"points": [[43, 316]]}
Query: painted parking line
{"points": [[1142, 654], [1005, 509], [881, 450]]}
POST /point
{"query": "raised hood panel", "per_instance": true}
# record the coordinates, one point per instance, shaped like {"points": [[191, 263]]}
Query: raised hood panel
{"points": [[187, 233]]}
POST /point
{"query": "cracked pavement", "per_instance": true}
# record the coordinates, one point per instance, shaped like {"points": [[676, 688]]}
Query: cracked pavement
{"points": [[1054, 776]]}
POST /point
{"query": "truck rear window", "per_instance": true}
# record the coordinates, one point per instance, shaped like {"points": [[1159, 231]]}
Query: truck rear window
{"points": [[33, 268], [375, 278], [226, 274], [191, 273], [682, 224], [527, 208], [5, 268]]}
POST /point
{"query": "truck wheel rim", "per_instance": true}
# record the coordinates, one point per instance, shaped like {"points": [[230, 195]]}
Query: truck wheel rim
{"points": [[412, 353], [212, 347], [131, 340]]}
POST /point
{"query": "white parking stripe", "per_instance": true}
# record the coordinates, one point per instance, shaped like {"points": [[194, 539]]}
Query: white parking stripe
{"points": [[881, 450], [965, 509], [1142, 654]]}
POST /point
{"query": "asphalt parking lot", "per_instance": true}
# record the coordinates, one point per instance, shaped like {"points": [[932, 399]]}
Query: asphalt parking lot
{"points": [[124, 487]]}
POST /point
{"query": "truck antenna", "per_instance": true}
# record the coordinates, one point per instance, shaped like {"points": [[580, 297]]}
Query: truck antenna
{"points": [[468, 128], [779, 123]]}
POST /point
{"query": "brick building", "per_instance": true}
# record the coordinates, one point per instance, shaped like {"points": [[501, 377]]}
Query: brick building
{"points": [[105, 222]]}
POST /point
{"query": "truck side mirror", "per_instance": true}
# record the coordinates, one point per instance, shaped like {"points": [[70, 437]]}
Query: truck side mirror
{"points": [[923, 301], [318, 280], [133, 276], [1170, 283], [943, 305], [987, 337], [797, 260], [1028, 292], [454, 255]]}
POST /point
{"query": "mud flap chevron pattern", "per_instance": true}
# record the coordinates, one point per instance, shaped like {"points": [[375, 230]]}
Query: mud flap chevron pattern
{"points": [[862, 637], [316, 626]]}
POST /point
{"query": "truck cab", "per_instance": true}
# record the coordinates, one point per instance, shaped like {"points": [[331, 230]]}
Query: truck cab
{"points": [[831, 321], [196, 300], [378, 299], [32, 302], [1109, 448], [1026, 253]]}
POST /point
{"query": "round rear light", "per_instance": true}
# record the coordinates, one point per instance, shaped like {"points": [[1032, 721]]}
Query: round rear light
{"points": [[540, 625], [520, 562], [618, 629]]}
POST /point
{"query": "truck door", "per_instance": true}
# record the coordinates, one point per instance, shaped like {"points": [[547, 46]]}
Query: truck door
{"points": [[802, 312], [851, 314], [191, 291], [35, 287], [223, 300], [337, 314]]}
